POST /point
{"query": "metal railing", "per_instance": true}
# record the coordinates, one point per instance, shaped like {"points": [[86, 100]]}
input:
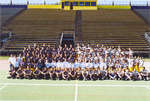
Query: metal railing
{"points": [[147, 36], [62, 34]]}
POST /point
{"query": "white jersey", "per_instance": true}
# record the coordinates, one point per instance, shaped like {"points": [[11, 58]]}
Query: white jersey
{"points": [[90, 65], [130, 62], [130, 52], [65, 64], [96, 65], [16, 65], [69, 65], [76, 64], [53, 64], [83, 65], [103, 65], [141, 62], [58, 64], [61, 65], [12, 60]]}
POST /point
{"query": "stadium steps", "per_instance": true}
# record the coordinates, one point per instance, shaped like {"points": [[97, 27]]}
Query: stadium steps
{"points": [[39, 26], [113, 28]]}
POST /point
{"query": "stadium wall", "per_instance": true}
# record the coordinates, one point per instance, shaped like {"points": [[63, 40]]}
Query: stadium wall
{"points": [[13, 6], [84, 8], [140, 7], [8, 12], [114, 7], [44, 6], [67, 8], [143, 12]]}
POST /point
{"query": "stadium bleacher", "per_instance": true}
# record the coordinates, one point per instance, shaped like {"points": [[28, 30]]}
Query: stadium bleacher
{"points": [[111, 27], [7, 13], [39, 26], [144, 12], [114, 28], [105, 26]]}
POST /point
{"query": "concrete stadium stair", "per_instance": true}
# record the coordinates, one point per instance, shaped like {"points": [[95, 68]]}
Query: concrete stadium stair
{"points": [[39, 26], [113, 28]]}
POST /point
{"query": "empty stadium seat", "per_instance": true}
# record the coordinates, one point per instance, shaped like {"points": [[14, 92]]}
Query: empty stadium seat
{"points": [[39, 26], [114, 28]]}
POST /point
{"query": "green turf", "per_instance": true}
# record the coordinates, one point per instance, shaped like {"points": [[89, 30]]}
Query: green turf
{"points": [[147, 59], [29, 92], [43, 93], [4, 57], [113, 94]]}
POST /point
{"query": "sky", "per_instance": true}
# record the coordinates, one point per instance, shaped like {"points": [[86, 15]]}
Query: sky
{"points": [[56, 1], [21, 1]]}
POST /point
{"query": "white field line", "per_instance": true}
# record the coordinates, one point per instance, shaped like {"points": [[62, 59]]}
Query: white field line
{"points": [[148, 87], [1, 88], [72, 85], [76, 91]]}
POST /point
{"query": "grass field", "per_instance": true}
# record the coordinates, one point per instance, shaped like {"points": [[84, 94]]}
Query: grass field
{"points": [[4, 57], [47, 90], [147, 60]]}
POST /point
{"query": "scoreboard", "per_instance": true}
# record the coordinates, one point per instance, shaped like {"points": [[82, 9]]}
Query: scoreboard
{"points": [[79, 4]]}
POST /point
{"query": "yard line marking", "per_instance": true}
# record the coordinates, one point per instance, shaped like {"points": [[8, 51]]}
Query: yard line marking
{"points": [[72, 85], [76, 91], [148, 88], [1, 88]]}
